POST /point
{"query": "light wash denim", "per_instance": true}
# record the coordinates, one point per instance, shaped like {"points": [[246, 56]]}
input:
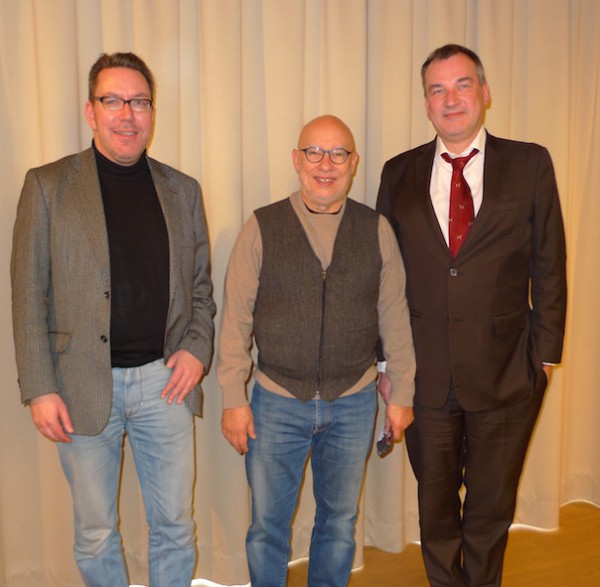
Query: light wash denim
{"points": [[338, 435], [162, 441]]}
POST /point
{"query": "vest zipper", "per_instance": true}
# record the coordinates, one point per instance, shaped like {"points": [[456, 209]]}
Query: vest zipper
{"points": [[322, 338]]}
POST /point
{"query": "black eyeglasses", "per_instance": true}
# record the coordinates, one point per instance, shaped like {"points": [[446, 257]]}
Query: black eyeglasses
{"points": [[337, 156], [113, 103]]}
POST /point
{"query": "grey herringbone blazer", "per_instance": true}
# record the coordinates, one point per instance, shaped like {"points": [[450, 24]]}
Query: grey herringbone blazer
{"points": [[61, 284]]}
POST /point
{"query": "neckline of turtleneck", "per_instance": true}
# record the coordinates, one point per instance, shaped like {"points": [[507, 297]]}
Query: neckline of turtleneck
{"points": [[136, 171]]}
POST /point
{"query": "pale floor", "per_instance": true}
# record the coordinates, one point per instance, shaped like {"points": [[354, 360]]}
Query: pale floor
{"points": [[567, 557]]}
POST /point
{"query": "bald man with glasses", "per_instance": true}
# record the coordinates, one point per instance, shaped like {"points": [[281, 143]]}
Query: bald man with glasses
{"points": [[314, 280]]}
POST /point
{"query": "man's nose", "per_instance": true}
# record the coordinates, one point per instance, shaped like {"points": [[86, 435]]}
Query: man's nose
{"points": [[126, 111], [450, 97], [326, 162]]}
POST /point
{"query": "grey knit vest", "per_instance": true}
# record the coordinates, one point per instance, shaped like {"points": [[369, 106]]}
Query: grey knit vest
{"points": [[317, 330]]}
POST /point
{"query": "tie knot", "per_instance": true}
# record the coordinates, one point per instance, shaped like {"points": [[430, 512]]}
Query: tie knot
{"points": [[459, 162]]}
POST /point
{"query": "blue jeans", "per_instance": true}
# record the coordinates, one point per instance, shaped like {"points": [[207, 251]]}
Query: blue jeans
{"points": [[162, 442], [339, 434]]}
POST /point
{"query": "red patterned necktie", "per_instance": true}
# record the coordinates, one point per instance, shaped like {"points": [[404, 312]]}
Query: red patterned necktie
{"points": [[462, 212]]}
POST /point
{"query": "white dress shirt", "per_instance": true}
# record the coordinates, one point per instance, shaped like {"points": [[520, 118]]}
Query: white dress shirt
{"points": [[441, 174]]}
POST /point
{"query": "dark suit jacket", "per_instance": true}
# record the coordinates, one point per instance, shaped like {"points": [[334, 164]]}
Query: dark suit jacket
{"points": [[61, 284], [490, 317]]}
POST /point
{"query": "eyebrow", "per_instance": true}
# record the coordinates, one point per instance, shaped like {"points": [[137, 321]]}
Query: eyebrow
{"points": [[313, 146], [466, 78], [142, 95]]}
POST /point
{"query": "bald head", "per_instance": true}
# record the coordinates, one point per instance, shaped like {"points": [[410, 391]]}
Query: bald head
{"points": [[325, 184], [324, 126]]}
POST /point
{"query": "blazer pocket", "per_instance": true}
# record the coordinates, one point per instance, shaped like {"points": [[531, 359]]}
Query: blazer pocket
{"points": [[59, 341], [510, 322], [511, 201]]}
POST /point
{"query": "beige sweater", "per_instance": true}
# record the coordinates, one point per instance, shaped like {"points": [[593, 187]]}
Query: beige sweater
{"points": [[234, 358]]}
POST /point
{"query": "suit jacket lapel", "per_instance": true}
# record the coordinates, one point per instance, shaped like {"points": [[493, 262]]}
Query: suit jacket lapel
{"points": [[424, 165], [492, 187], [171, 212], [85, 184]]}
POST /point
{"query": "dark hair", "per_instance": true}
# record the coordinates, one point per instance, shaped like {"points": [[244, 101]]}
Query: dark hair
{"points": [[447, 51], [107, 60]]}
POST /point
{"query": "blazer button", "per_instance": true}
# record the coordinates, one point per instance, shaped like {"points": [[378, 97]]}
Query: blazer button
{"points": [[453, 272], [103, 338]]}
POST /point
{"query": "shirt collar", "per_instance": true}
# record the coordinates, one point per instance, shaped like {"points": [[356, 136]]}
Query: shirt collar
{"points": [[478, 143]]}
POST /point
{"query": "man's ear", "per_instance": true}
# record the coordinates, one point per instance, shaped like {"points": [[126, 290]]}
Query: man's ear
{"points": [[90, 115], [295, 154], [487, 96]]}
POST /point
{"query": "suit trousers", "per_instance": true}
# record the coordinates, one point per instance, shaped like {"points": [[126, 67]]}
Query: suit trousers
{"points": [[463, 542]]}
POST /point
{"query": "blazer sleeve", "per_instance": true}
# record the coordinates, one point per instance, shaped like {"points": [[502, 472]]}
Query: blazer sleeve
{"points": [[548, 265], [200, 334], [191, 309], [30, 276]]}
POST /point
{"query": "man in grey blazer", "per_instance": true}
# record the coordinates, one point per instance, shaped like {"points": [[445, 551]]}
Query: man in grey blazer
{"points": [[113, 324], [487, 319]]}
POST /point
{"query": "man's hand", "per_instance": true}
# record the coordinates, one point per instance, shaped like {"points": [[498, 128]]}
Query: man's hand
{"points": [[237, 424], [51, 417], [398, 419], [384, 386], [187, 373]]}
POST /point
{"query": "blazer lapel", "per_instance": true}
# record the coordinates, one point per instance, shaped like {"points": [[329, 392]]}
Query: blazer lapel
{"points": [[424, 166], [171, 212], [85, 184], [493, 173]]}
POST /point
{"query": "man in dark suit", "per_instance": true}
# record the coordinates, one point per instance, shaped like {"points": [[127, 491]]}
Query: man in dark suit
{"points": [[113, 324], [487, 304]]}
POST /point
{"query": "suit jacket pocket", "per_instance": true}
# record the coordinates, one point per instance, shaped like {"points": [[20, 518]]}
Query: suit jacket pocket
{"points": [[59, 341], [506, 323]]}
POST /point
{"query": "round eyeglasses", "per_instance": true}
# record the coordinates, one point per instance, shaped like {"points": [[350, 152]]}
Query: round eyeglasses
{"points": [[113, 103], [337, 156]]}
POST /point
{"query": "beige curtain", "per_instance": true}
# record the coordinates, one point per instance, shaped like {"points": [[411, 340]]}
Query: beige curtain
{"points": [[236, 81]]}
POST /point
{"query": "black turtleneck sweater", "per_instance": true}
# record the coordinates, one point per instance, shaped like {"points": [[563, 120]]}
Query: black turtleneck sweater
{"points": [[139, 262]]}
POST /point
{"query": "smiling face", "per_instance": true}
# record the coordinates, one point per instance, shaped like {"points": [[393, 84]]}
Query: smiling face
{"points": [[325, 185], [122, 135], [455, 100]]}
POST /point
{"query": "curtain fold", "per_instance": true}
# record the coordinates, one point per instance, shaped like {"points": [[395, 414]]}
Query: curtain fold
{"points": [[236, 81]]}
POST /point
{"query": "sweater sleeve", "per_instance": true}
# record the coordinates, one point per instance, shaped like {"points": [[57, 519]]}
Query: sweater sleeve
{"points": [[394, 321], [234, 360]]}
